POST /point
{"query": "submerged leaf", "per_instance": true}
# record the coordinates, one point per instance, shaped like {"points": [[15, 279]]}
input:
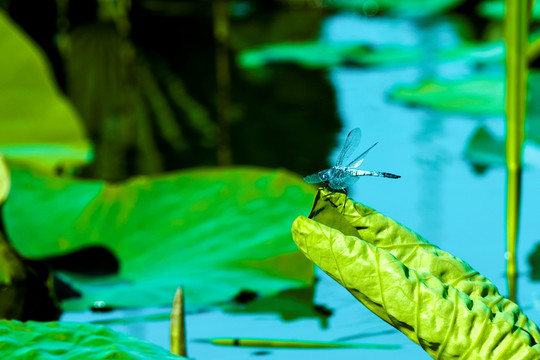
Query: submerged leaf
{"points": [[291, 304], [214, 231], [434, 298], [484, 149], [38, 126], [67, 340], [534, 262]]}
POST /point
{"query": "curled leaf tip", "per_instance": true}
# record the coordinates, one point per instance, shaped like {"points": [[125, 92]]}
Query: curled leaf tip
{"points": [[436, 299]]}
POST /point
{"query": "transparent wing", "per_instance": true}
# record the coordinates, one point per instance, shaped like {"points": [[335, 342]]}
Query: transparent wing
{"points": [[342, 180], [313, 178], [360, 158], [351, 143]]}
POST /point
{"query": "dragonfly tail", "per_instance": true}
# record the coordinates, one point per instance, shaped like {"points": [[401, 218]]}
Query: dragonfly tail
{"points": [[382, 174]]}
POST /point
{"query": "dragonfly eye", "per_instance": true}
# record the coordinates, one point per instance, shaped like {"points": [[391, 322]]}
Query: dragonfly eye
{"points": [[324, 176]]}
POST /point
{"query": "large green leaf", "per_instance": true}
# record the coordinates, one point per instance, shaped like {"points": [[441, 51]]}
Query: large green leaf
{"points": [[69, 340], [434, 298], [37, 124], [215, 231]]}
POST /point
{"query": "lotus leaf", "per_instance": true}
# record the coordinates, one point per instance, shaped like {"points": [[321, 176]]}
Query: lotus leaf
{"points": [[215, 231], [320, 54], [434, 298], [482, 95], [413, 8], [29, 99], [66, 340], [5, 181]]}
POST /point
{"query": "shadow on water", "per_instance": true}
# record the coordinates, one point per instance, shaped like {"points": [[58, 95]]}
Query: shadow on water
{"points": [[144, 83]]}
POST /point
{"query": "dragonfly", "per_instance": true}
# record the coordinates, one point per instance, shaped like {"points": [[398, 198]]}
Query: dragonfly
{"points": [[339, 177]]}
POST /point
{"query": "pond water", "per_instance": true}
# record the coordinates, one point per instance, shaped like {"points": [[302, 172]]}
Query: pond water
{"points": [[439, 196]]}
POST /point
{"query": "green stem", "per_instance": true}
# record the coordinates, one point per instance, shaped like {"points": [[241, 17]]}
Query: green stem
{"points": [[220, 10], [178, 324], [516, 28]]}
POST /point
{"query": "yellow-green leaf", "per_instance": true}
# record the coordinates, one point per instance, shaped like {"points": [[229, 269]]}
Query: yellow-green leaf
{"points": [[5, 181], [38, 125], [434, 298]]}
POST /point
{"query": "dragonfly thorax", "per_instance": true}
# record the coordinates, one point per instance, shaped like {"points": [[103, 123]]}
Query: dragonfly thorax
{"points": [[327, 175]]}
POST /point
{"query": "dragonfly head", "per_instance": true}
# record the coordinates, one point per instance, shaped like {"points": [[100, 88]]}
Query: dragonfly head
{"points": [[324, 175]]}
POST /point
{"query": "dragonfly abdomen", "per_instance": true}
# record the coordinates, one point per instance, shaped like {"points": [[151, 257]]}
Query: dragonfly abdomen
{"points": [[380, 174], [369, 173]]}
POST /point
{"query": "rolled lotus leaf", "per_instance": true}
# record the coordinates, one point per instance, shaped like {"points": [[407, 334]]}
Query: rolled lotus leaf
{"points": [[433, 297]]}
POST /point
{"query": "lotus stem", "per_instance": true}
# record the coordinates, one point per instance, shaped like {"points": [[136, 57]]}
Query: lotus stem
{"points": [[516, 30], [220, 9], [178, 324]]}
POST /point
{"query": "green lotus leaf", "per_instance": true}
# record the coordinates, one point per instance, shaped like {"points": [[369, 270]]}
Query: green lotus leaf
{"points": [[313, 54], [434, 298], [412, 8], [29, 99], [69, 340], [228, 228], [481, 95]]}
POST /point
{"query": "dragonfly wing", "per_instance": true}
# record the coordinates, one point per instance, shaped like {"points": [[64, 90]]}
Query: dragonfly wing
{"points": [[360, 158], [342, 180], [313, 178], [351, 143]]}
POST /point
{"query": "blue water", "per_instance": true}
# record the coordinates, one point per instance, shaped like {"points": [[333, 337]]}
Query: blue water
{"points": [[439, 196]]}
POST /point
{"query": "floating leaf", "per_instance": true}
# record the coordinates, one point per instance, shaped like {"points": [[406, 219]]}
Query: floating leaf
{"points": [[319, 54], [477, 96], [412, 8], [67, 340], [38, 125], [214, 231], [434, 298], [481, 95]]}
